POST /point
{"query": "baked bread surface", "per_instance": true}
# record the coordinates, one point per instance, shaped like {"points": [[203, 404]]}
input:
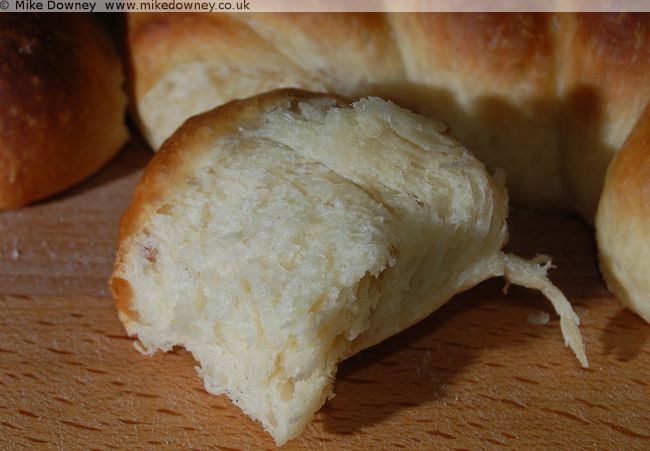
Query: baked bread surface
{"points": [[549, 98], [623, 221], [63, 104]]}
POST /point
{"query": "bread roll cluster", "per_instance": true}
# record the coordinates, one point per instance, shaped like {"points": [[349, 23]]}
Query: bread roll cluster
{"points": [[278, 231], [548, 97]]}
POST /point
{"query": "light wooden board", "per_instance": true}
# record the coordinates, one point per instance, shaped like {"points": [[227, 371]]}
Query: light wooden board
{"points": [[476, 374]]}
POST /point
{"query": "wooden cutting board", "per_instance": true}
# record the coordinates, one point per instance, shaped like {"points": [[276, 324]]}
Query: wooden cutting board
{"points": [[476, 374]]}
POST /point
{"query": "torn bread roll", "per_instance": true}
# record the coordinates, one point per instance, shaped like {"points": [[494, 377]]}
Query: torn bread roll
{"points": [[276, 236]]}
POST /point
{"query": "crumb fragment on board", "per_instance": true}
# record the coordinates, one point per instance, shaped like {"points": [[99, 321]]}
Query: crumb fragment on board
{"points": [[15, 251], [538, 318]]}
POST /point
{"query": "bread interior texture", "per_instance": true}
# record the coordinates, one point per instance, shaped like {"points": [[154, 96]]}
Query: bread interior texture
{"points": [[308, 234]]}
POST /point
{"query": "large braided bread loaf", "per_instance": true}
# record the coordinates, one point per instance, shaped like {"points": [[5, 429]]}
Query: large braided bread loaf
{"points": [[550, 98]]}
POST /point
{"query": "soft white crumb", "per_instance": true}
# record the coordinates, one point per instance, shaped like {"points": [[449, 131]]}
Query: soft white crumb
{"points": [[538, 318]]}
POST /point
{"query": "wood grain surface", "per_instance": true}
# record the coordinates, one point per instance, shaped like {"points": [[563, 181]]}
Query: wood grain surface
{"points": [[474, 375]]}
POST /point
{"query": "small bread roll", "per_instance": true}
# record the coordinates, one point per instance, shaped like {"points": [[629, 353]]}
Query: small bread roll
{"points": [[62, 114], [623, 221], [273, 237]]}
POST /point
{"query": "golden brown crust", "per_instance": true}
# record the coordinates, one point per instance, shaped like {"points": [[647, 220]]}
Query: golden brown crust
{"points": [[547, 97], [628, 177], [123, 295], [62, 103], [605, 84], [244, 56], [491, 78], [159, 42], [169, 40], [170, 167], [623, 221], [358, 46], [612, 49], [499, 46]]}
